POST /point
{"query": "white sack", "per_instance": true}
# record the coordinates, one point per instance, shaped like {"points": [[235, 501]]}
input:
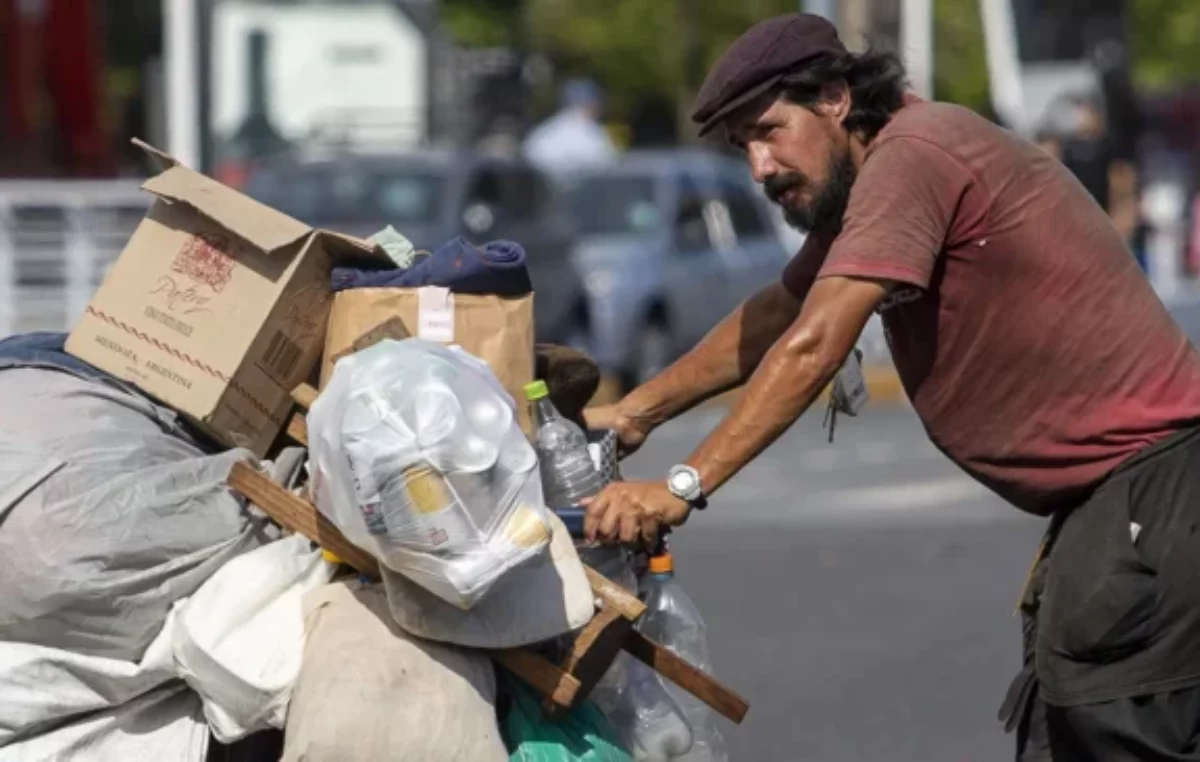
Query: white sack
{"points": [[238, 641], [369, 692]]}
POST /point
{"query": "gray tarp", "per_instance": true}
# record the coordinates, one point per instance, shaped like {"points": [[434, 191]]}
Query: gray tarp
{"points": [[107, 515]]}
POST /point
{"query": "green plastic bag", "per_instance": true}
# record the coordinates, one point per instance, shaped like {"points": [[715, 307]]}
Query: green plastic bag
{"points": [[584, 735]]}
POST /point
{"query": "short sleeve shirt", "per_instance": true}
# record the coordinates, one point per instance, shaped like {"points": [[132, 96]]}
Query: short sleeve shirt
{"points": [[1031, 345]]}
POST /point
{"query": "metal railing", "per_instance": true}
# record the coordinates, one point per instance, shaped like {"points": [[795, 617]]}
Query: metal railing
{"points": [[57, 241]]}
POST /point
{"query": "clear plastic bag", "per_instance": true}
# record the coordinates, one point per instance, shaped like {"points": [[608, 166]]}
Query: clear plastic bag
{"points": [[418, 458]]}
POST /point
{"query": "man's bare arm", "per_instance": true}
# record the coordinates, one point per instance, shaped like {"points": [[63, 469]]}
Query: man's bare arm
{"points": [[723, 360], [791, 375]]}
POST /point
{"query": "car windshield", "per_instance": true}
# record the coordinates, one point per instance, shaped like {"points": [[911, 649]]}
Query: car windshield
{"points": [[320, 195], [608, 204]]}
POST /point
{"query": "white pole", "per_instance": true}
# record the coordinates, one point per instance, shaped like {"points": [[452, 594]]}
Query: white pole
{"points": [[1004, 66], [916, 40], [182, 80]]}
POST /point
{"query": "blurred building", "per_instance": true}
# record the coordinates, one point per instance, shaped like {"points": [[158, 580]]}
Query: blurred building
{"points": [[79, 78]]}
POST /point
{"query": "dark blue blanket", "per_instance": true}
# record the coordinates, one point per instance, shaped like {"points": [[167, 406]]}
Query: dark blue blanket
{"points": [[495, 268]]}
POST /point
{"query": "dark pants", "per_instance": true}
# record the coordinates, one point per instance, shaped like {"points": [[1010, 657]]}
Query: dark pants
{"points": [[1153, 728], [1112, 620]]}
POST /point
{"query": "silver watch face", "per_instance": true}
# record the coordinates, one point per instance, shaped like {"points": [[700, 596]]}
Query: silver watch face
{"points": [[684, 482]]}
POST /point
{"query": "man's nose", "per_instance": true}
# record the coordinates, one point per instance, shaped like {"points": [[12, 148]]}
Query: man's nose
{"points": [[762, 166]]}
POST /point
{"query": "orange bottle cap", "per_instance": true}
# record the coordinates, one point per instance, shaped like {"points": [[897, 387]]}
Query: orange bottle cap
{"points": [[663, 564]]}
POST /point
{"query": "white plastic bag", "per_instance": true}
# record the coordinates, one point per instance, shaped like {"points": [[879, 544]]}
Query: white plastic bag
{"points": [[548, 596], [418, 458], [238, 641]]}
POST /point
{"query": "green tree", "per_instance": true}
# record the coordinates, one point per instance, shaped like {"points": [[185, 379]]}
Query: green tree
{"points": [[959, 61], [1163, 43]]}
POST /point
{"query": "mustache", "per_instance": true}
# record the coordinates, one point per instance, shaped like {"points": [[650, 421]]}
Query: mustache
{"points": [[777, 185]]}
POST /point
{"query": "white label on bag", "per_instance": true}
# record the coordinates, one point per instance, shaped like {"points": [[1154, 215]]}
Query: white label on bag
{"points": [[435, 314]]}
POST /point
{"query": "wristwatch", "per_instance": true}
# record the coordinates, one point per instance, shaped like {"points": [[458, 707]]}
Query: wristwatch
{"points": [[684, 483]]}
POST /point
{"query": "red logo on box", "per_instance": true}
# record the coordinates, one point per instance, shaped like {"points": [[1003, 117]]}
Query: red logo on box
{"points": [[203, 260]]}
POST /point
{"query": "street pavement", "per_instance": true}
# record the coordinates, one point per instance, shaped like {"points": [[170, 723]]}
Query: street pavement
{"points": [[858, 594]]}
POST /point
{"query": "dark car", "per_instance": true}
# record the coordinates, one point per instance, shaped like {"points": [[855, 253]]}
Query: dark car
{"points": [[432, 197]]}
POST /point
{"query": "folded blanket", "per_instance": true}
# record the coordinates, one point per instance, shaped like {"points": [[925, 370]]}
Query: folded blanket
{"points": [[497, 268]]}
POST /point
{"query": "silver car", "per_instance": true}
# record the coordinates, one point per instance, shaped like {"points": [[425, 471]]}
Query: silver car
{"points": [[669, 243]]}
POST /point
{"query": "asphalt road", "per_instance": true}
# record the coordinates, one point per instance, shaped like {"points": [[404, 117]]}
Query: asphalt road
{"points": [[858, 594]]}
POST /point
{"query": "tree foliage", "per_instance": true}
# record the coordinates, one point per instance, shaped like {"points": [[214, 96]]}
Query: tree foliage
{"points": [[1164, 42], [646, 48]]}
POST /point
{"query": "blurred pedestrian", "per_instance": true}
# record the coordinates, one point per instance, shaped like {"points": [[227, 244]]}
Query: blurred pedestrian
{"points": [[1081, 140], [1034, 351], [1093, 155], [574, 137]]}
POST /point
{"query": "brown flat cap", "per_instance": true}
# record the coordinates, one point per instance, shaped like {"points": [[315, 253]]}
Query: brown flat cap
{"points": [[759, 60]]}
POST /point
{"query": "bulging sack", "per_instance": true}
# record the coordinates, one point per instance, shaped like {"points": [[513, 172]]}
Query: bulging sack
{"points": [[238, 640], [418, 458]]}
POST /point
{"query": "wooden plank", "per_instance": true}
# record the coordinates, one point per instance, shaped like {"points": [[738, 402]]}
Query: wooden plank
{"points": [[546, 678], [304, 395], [298, 515], [592, 653], [703, 686], [614, 595], [297, 429]]}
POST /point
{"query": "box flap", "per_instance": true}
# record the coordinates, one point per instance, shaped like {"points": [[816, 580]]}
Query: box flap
{"points": [[163, 159], [258, 224]]}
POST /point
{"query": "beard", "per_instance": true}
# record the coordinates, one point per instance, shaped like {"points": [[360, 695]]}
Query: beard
{"points": [[824, 213]]}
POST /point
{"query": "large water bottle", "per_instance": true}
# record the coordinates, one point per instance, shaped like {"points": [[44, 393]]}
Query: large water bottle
{"points": [[568, 472], [673, 620]]}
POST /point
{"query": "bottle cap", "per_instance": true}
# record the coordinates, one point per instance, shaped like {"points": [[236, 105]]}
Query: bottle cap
{"points": [[662, 564], [536, 391]]}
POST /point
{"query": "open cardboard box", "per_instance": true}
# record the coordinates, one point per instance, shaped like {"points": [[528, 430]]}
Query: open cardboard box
{"points": [[217, 306]]}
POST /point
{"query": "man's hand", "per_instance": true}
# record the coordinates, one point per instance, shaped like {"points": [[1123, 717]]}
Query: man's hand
{"points": [[631, 430], [628, 511]]}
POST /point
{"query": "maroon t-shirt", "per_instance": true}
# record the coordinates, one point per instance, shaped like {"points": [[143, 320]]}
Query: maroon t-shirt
{"points": [[1031, 345]]}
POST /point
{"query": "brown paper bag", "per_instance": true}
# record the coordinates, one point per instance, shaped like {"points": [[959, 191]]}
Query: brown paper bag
{"points": [[495, 329]]}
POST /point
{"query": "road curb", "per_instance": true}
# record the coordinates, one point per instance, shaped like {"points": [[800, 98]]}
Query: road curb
{"points": [[882, 383]]}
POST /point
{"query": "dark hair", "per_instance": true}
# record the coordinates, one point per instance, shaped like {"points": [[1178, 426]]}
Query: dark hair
{"points": [[876, 79]]}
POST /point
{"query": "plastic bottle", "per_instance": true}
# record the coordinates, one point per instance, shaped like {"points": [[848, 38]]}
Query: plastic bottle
{"points": [[673, 620], [568, 472], [648, 722]]}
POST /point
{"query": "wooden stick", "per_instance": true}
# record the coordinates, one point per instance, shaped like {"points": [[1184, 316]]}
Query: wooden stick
{"points": [[304, 395], [592, 653], [546, 677], [723, 700], [297, 429], [620, 599], [298, 515]]}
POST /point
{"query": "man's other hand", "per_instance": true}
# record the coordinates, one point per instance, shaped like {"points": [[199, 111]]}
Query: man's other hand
{"points": [[628, 512], [631, 430]]}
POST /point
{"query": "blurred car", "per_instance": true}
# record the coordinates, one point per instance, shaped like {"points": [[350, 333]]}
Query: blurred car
{"points": [[432, 197], [670, 242]]}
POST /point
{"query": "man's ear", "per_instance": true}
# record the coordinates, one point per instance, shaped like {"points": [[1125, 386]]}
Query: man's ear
{"points": [[835, 100]]}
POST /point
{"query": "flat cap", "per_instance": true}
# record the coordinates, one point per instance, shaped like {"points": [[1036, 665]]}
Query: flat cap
{"points": [[759, 60]]}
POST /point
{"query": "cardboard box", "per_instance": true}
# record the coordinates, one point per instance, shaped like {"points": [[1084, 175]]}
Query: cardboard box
{"points": [[217, 306]]}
